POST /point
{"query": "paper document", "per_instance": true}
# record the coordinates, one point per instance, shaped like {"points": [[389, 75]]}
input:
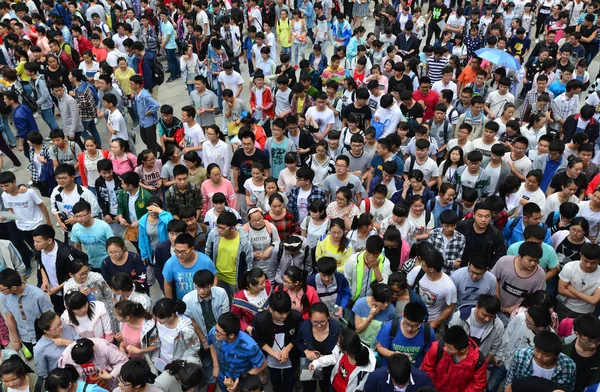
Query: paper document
{"points": [[8, 216]]}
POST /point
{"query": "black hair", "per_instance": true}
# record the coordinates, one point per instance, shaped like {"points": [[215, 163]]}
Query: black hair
{"points": [[83, 351], [280, 302], [587, 325], [123, 282], [414, 312], [351, 344], [126, 308], [531, 249], [250, 278], [489, 302], [230, 323], [167, 307], [189, 374], [327, 265], [457, 337], [77, 300], [203, 278], [296, 275], [399, 368], [381, 292], [60, 378], [540, 315], [136, 371], [548, 342], [250, 382]]}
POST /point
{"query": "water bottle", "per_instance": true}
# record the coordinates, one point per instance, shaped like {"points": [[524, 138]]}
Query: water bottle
{"points": [[90, 296], [336, 309]]}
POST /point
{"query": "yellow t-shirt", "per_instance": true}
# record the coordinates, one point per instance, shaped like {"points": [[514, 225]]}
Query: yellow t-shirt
{"points": [[299, 105], [326, 248], [227, 259], [123, 78]]}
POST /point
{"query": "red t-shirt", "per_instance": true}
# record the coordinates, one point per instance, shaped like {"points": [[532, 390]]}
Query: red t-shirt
{"points": [[340, 381], [430, 100]]}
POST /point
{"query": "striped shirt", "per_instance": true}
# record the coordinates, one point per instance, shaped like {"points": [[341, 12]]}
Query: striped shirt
{"points": [[435, 67]]}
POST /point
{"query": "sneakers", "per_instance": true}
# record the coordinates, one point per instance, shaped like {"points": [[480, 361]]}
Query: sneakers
{"points": [[14, 168]]}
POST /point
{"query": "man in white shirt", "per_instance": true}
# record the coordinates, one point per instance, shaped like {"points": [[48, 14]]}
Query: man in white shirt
{"points": [[283, 97], [445, 83], [231, 79], [495, 101], [484, 144], [202, 17], [579, 284], [320, 117], [254, 15], [519, 164], [117, 127], [194, 136]]}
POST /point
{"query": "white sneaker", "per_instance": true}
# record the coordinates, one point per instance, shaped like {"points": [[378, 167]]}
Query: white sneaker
{"points": [[14, 168]]}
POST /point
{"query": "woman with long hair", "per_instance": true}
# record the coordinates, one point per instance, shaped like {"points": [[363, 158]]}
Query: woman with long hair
{"points": [[16, 375], [349, 353], [362, 228], [422, 218], [187, 374], [316, 224], [459, 49], [335, 244], [574, 171], [176, 333], [287, 177], [139, 335], [252, 298], [442, 202], [448, 166], [52, 338], [507, 114], [567, 243], [321, 163], [122, 159], [149, 169], [285, 222], [89, 66], [416, 186], [318, 336], [343, 207], [534, 129], [89, 318], [302, 295], [88, 163], [508, 192], [197, 173], [566, 193], [216, 151], [124, 287], [67, 380], [216, 183], [271, 187]]}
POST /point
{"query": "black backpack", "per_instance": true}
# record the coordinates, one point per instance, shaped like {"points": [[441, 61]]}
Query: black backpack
{"points": [[426, 338], [24, 98], [158, 72], [440, 353]]}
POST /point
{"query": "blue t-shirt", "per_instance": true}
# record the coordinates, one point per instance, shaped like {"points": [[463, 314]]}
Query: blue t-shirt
{"points": [[277, 153], [93, 240], [167, 28], [409, 347], [183, 277], [557, 88], [377, 164], [234, 359], [549, 171]]}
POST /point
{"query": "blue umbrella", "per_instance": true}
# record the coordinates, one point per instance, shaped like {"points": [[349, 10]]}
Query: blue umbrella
{"points": [[499, 57]]}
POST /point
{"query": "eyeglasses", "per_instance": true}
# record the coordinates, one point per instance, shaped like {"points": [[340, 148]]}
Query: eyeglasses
{"points": [[475, 273], [319, 323], [341, 166], [287, 283], [123, 383], [115, 252], [576, 231], [221, 228], [82, 216], [588, 341], [57, 328], [182, 252], [219, 333], [412, 327]]}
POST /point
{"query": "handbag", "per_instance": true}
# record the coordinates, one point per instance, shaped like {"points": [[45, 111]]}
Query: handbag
{"points": [[233, 129], [131, 234], [379, 127]]}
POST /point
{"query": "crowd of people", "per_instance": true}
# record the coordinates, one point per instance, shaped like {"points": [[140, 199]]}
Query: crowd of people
{"points": [[374, 215]]}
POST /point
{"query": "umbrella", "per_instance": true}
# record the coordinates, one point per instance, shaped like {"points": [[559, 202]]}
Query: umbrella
{"points": [[499, 57]]}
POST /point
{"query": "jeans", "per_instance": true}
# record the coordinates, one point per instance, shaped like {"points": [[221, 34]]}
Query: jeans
{"points": [[591, 54], [10, 136], [9, 153], [135, 119], [48, 117], [190, 87], [282, 379], [287, 51], [173, 64], [497, 375], [298, 48], [90, 128], [207, 365], [216, 88]]}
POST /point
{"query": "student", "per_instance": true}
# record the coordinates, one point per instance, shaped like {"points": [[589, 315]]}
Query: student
{"points": [[373, 263], [24, 302], [583, 350], [179, 270], [548, 362], [472, 281], [277, 146], [398, 374], [236, 352], [448, 241], [326, 279], [409, 335], [183, 194], [515, 227], [90, 233]]}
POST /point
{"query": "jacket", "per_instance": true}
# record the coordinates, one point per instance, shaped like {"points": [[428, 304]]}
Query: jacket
{"points": [[83, 170], [11, 258], [70, 115], [24, 121], [449, 376], [341, 31], [522, 366], [102, 191], [148, 338], [281, 260], [381, 381], [322, 63], [343, 294], [64, 255], [187, 342], [163, 234], [504, 172], [491, 339], [245, 256], [175, 199], [141, 203], [316, 193], [351, 271], [183, 66], [247, 311], [516, 335], [106, 356], [308, 103], [396, 197], [306, 339], [569, 129], [56, 199], [541, 160], [495, 245], [268, 103], [101, 328], [44, 99], [264, 332], [144, 103], [453, 251], [219, 305], [146, 68], [513, 231], [357, 379], [305, 140], [482, 185]]}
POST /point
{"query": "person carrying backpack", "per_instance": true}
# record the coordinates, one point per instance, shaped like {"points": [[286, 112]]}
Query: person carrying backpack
{"points": [[87, 101]]}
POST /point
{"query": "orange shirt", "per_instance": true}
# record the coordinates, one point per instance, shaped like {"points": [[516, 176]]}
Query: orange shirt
{"points": [[467, 75], [100, 53]]}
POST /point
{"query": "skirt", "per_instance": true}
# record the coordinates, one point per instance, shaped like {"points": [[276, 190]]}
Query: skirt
{"points": [[360, 9]]}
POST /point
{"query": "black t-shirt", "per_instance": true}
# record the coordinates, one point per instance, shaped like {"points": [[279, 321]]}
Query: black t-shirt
{"points": [[570, 250], [406, 81], [438, 11], [552, 49], [244, 163], [559, 179], [413, 113], [586, 367], [363, 114]]}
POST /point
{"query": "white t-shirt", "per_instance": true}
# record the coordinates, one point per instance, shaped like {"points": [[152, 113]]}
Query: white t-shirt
{"points": [[194, 136], [439, 86], [69, 201], [256, 191], [421, 223], [231, 82], [167, 338], [523, 165], [485, 149], [112, 196], [202, 19], [467, 148], [592, 217], [584, 282], [468, 180], [379, 214], [322, 119], [494, 173], [455, 22], [540, 372], [429, 168], [116, 120], [257, 22], [496, 101], [303, 204], [313, 232], [26, 207], [436, 295]]}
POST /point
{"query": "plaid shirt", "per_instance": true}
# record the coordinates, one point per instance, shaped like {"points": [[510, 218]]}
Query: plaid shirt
{"points": [[531, 100], [175, 200], [85, 102], [35, 176], [286, 225], [316, 193], [453, 251], [522, 366]]}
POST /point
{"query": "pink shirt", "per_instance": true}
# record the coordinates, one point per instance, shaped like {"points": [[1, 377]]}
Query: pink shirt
{"points": [[208, 189], [131, 337], [124, 166]]}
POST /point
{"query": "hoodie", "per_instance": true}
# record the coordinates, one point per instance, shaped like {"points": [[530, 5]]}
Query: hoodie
{"points": [[449, 376], [187, 343], [145, 69], [491, 338]]}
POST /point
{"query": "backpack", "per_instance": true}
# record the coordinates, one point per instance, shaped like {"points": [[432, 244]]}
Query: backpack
{"points": [[71, 144], [440, 353], [74, 55], [246, 227], [306, 253], [431, 205], [426, 338], [158, 72], [24, 98], [516, 221]]}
